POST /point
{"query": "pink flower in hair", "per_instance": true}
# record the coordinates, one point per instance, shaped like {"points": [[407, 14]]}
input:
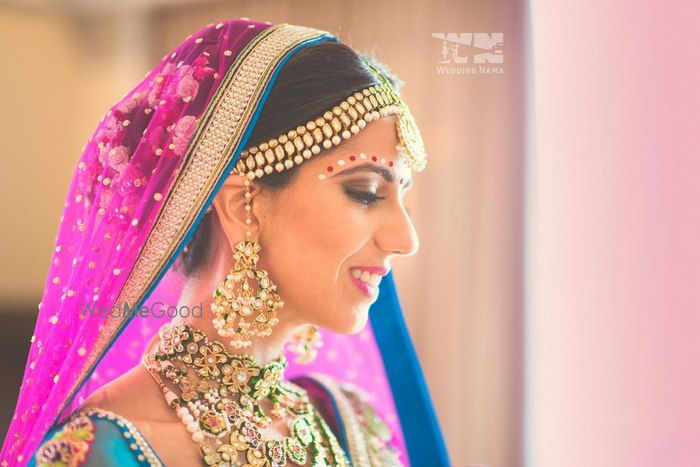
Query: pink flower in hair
{"points": [[110, 129], [127, 105], [200, 69], [182, 133], [185, 126], [119, 158], [187, 88], [154, 95], [168, 69]]}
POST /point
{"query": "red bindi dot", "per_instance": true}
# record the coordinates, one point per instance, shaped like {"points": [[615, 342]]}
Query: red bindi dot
{"points": [[352, 158], [391, 163], [374, 158], [329, 168]]}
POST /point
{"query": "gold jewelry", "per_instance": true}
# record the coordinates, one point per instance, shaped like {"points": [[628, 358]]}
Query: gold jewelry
{"points": [[305, 343], [233, 305], [220, 400], [410, 139], [335, 125]]}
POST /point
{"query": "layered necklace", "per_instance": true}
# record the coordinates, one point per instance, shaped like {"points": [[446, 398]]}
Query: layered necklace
{"points": [[218, 397]]}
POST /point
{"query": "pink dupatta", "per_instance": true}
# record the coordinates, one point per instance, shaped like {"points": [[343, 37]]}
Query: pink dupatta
{"points": [[149, 169]]}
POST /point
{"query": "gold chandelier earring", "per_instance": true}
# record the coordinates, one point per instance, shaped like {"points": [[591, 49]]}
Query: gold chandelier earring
{"points": [[240, 311]]}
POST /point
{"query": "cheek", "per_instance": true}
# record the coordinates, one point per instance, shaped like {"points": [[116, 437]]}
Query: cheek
{"points": [[323, 235], [307, 249], [336, 229]]}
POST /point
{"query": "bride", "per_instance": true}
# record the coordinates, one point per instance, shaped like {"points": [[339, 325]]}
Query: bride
{"points": [[258, 173]]}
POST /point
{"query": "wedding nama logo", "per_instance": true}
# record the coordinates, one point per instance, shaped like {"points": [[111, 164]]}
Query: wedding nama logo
{"points": [[484, 49]]}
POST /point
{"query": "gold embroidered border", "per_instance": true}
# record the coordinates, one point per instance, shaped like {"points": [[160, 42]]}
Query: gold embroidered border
{"points": [[367, 435], [355, 437], [211, 151], [137, 443]]}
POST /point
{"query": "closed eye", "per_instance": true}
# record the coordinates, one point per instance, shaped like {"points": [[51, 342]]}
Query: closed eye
{"points": [[365, 198]]}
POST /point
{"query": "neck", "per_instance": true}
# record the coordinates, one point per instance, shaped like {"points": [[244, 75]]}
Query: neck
{"points": [[263, 349]]}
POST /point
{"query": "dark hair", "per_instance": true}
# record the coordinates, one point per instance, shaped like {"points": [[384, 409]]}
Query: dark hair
{"points": [[311, 82]]}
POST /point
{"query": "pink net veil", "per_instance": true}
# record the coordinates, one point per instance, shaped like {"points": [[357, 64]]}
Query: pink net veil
{"points": [[142, 183]]}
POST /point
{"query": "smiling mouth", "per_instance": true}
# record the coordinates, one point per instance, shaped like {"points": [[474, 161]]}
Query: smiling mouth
{"points": [[367, 289], [367, 282]]}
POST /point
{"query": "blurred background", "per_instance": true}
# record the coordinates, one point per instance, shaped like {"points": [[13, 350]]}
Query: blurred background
{"points": [[65, 63], [557, 315]]}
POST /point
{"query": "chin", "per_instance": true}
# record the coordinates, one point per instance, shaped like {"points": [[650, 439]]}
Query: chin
{"points": [[355, 321]]}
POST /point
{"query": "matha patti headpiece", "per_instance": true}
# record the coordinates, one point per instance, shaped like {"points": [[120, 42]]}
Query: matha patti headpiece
{"points": [[335, 125]]}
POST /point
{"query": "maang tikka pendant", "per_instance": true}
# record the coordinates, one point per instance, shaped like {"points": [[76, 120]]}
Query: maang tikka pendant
{"points": [[240, 311]]}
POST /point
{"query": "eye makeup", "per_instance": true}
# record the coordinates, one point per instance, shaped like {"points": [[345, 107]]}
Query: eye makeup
{"points": [[356, 189], [365, 198]]}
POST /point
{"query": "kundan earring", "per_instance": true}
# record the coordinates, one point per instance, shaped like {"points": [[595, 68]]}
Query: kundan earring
{"points": [[240, 312], [305, 343]]}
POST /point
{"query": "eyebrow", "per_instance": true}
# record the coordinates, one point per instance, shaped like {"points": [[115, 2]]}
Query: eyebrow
{"points": [[387, 174]]}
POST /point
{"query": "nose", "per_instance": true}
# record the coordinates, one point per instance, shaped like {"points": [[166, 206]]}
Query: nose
{"points": [[396, 233]]}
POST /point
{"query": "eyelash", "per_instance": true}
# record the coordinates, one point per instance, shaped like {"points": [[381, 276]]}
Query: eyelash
{"points": [[365, 198]]}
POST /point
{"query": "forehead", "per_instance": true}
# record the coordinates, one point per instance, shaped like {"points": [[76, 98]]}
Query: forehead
{"points": [[374, 144]]}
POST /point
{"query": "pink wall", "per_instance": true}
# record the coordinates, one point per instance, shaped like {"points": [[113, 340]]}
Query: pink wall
{"points": [[613, 224]]}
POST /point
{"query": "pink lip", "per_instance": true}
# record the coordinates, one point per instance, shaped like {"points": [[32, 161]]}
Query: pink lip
{"points": [[369, 290], [366, 288]]}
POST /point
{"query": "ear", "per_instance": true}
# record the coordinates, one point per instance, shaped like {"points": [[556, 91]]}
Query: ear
{"points": [[229, 204]]}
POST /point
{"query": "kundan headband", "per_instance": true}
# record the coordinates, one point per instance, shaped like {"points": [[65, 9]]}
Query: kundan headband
{"points": [[335, 125]]}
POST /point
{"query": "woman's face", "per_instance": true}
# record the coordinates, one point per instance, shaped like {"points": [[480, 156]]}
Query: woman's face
{"points": [[342, 215]]}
